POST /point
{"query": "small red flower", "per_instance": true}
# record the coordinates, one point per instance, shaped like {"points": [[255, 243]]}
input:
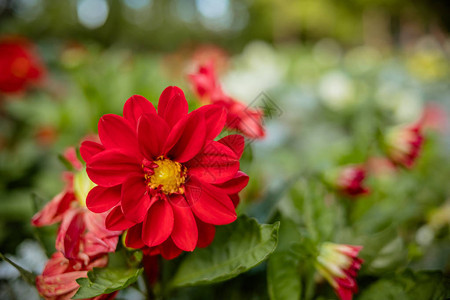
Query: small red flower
{"points": [[239, 116], [205, 83], [162, 176], [403, 144], [58, 280], [350, 181], [19, 65], [339, 265]]}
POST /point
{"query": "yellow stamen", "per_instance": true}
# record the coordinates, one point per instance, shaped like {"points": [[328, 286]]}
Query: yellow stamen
{"points": [[169, 176]]}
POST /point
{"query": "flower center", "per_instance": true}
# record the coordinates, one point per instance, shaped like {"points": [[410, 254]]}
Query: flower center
{"points": [[167, 175]]}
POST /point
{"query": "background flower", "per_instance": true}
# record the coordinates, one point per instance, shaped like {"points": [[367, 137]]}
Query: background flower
{"points": [[20, 67], [339, 265]]}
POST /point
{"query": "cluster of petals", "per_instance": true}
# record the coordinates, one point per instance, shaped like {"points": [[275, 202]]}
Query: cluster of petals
{"points": [[248, 121], [58, 280], [404, 143], [82, 240], [20, 67], [161, 176], [350, 180], [339, 265]]}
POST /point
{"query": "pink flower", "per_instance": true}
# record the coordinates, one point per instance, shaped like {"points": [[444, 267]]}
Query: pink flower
{"points": [[339, 265], [240, 117], [58, 280], [82, 241], [403, 144], [81, 234]]}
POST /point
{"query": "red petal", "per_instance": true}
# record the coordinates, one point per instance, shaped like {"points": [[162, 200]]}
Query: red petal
{"points": [[344, 293], [215, 117], [172, 105], [57, 286], [236, 184], [184, 233], [115, 133], [169, 250], [190, 141], [133, 237], [235, 142], [101, 199], [152, 134], [216, 163], [206, 233], [209, 203], [57, 264], [88, 149], [135, 199], [235, 199], [116, 220], [70, 234], [54, 210], [135, 107], [247, 120], [111, 167], [159, 223], [93, 245]]}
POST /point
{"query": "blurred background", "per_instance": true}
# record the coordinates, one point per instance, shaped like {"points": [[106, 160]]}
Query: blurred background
{"points": [[337, 73]]}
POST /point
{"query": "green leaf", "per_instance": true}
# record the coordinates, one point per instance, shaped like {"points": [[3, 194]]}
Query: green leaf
{"points": [[237, 248], [408, 285], [105, 281], [283, 277], [28, 276]]}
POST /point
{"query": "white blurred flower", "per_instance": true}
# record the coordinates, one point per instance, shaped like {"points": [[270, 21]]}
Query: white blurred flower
{"points": [[337, 90], [406, 105], [258, 69], [425, 235]]}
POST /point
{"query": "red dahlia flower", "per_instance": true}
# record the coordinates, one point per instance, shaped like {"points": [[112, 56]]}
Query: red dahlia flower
{"points": [[58, 280], [350, 179], [162, 176], [339, 265], [19, 65], [403, 144], [239, 116]]}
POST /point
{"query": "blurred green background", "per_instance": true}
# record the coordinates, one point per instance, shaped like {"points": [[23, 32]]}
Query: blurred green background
{"points": [[339, 72]]}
